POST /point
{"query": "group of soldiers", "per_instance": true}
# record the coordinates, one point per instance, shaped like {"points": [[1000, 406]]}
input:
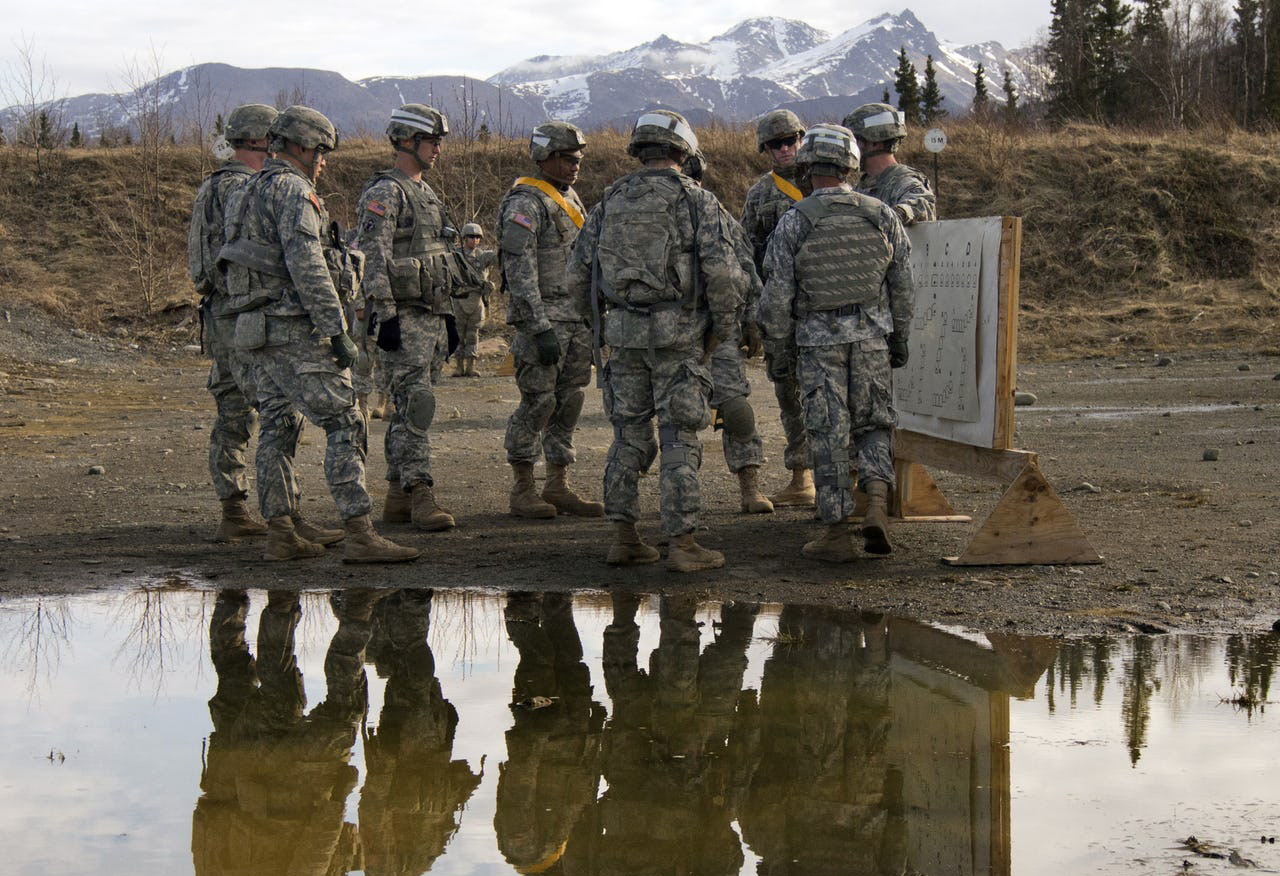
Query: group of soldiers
{"points": [[658, 275]]}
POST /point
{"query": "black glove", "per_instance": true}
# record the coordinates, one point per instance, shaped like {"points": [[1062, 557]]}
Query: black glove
{"points": [[389, 334], [548, 347], [898, 352], [453, 340], [344, 350]]}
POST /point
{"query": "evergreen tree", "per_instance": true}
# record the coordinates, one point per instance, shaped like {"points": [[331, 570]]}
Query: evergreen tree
{"points": [[1150, 60], [77, 140], [904, 82], [885, 97], [1070, 57], [980, 97], [1010, 93], [931, 98], [219, 125], [1248, 72], [44, 133], [1110, 59], [1, 136]]}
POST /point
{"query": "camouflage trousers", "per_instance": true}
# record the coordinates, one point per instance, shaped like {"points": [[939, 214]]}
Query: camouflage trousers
{"points": [[296, 373], [849, 415], [550, 396], [729, 381], [468, 314], [412, 373], [672, 385], [367, 374], [786, 387], [234, 394]]}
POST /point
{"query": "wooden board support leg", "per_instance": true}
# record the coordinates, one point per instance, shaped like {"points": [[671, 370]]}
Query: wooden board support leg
{"points": [[917, 494], [1030, 526]]}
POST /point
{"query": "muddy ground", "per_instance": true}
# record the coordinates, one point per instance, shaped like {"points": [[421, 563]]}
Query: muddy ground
{"points": [[1189, 544]]}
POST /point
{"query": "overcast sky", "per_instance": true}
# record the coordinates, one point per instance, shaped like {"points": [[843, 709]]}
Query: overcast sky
{"points": [[87, 44]]}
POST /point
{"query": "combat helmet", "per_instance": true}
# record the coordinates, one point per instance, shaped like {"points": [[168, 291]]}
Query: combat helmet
{"points": [[877, 123], [551, 137], [775, 124], [471, 229], [251, 121], [416, 120], [306, 127], [658, 132], [828, 150], [695, 166]]}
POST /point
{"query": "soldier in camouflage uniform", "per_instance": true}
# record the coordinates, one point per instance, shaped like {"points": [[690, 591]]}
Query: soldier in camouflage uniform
{"points": [[538, 222], [230, 378], [408, 281], [735, 418], [840, 263], [657, 255], [878, 129], [471, 301], [779, 133], [286, 278]]}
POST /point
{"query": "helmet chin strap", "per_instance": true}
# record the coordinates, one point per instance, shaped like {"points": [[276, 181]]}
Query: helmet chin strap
{"points": [[417, 144]]}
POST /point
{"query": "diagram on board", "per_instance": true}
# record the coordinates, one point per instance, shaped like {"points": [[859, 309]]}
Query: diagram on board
{"points": [[941, 377]]}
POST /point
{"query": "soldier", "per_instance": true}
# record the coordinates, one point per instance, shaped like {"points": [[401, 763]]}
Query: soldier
{"points": [[840, 262], [779, 132], [657, 254], [230, 378], [538, 222], [402, 233], [878, 129], [286, 278], [743, 447], [470, 302]]}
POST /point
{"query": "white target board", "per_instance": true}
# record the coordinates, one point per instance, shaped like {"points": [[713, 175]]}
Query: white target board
{"points": [[952, 386]]}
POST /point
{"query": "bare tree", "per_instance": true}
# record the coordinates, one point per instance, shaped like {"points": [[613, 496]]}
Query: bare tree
{"points": [[30, 91]]}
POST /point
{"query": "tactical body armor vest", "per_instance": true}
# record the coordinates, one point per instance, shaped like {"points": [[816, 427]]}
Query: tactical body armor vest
{"points": [[842, 260], [553, 249], [422, 264], [642, 262], [207, 273]]}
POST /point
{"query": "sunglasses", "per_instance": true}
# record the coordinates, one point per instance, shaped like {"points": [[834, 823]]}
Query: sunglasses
{"points": [[575, 160], [782, 142]]}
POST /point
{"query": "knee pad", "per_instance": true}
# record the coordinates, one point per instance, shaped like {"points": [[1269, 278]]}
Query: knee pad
{"points": [[679, 447], [421, 409], [570, 409], [738, 418], [636, 454]]}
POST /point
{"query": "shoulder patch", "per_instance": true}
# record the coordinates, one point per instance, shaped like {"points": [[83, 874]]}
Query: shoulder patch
{"points": [[521, 219], [376, 207]]}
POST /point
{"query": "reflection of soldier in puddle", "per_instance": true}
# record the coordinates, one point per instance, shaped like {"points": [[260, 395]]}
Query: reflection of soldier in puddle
{"points": [[552, 769], [276, 780], [412, 799], [824, 798], [674, 754]]}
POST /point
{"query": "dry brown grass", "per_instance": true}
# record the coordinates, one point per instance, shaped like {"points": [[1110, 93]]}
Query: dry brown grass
{"points": [[1131, 240]]}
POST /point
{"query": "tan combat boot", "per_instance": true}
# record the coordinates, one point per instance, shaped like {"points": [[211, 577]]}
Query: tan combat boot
{"points": [[459, 368], [236, 522], [396, 507], [525, 501], [426, 514], [558, 492], [875, 526], [753, 501], [835, 545], [284, 543], [686, 555], [366, 546], [317, 534], [800, 493], [629, 549], [470, 370], [377, 405]]}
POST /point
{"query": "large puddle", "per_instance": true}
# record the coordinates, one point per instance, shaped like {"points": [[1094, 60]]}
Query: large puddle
{"points": [[180, 731]]}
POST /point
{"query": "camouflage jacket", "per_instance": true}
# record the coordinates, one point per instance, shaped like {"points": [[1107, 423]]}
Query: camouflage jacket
{"points": [[534, 236], [717, 274], [891, 314], [746, 260], [206, 234], [482, 260], [764, 207], [383, 211], [905, 189], [287, 220]]}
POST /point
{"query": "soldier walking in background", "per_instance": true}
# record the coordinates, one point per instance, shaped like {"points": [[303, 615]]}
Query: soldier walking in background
{"points": [[840, 263], [281, 280], [878, 129], [657, 256], [470, 302], [735, 418], [230, 376], [779, 133], [408, 280], [538, 222]]}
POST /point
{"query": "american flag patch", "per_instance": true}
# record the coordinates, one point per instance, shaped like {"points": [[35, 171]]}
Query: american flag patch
{"points": [[521, 219], [376, 207]]}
